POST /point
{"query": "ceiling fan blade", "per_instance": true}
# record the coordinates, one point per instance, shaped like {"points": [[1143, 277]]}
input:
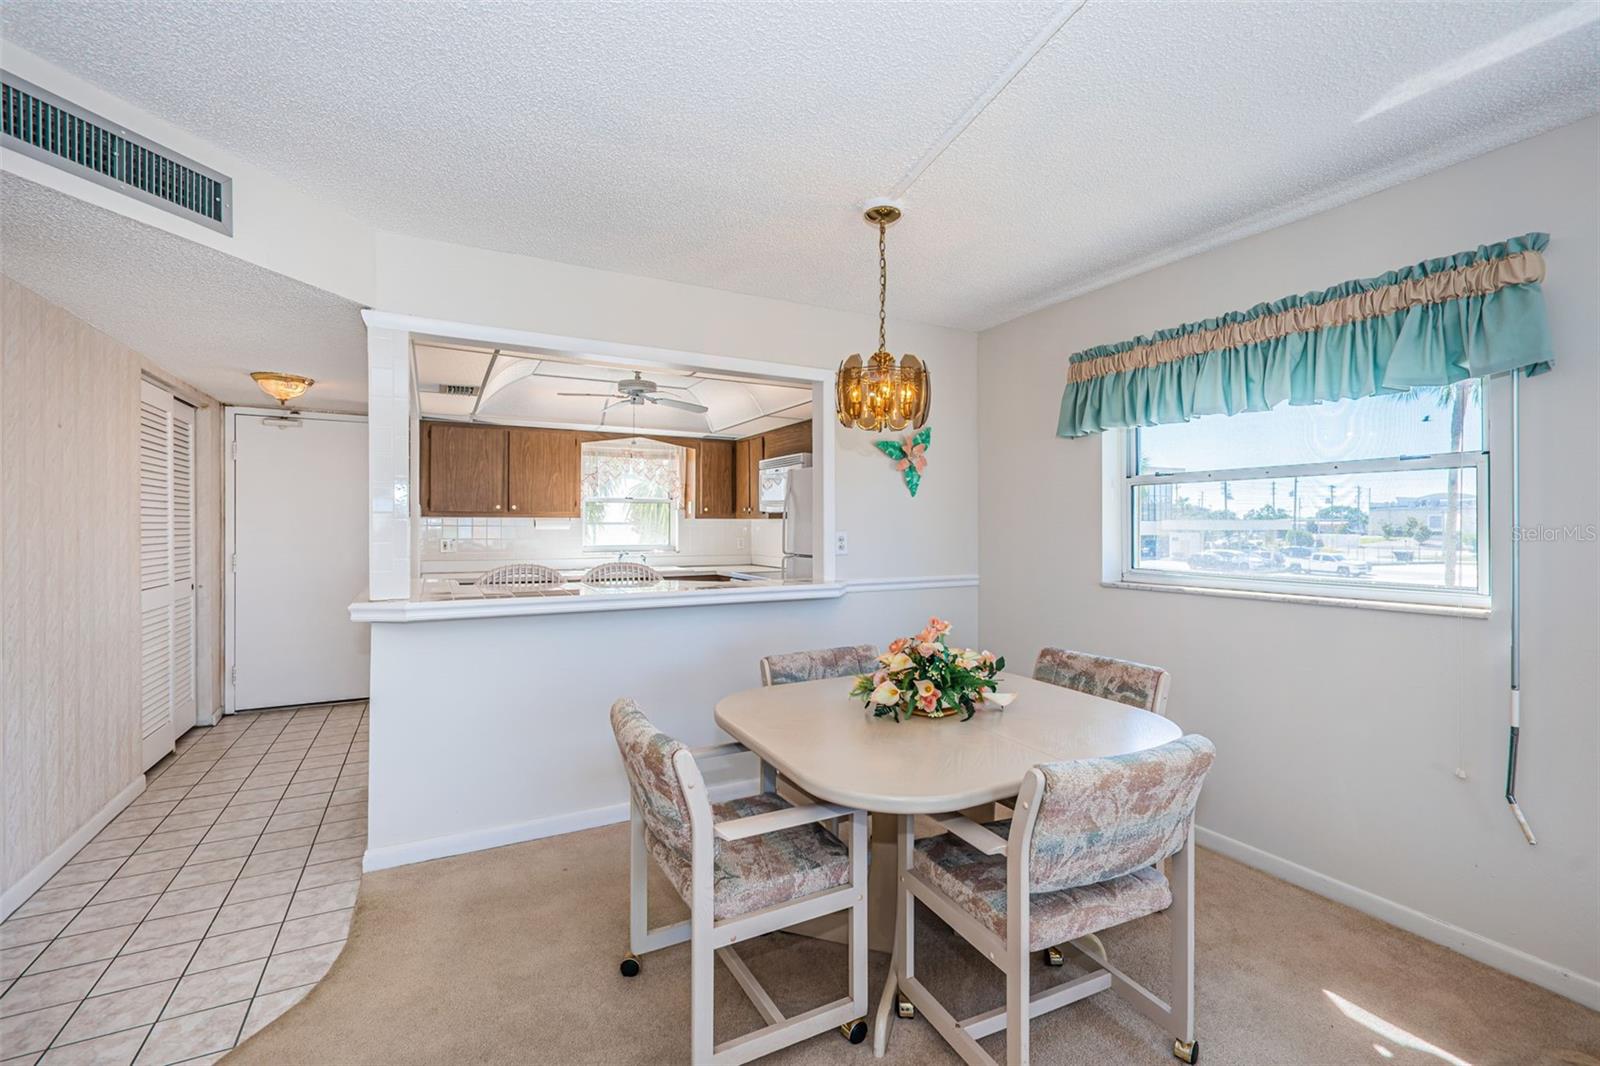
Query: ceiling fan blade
{"points": [[682, 405], [596, 395]]}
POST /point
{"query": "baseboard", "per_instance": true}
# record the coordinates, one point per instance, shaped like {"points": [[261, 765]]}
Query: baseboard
{"points": [[16, 895], [518, 832], [1558, 979]]}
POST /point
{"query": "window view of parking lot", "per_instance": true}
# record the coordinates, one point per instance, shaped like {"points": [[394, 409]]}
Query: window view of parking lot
{"points": [[1377, 493]]}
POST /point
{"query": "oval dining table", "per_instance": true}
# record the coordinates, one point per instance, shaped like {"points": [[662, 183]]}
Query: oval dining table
{"points": [[822, 740]]}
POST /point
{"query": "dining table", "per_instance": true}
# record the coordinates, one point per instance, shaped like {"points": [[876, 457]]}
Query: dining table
{"points": [[823, 741]]}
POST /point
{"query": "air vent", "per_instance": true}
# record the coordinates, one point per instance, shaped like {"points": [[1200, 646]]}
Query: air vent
{"points": [[459, 390], [42, 125]]}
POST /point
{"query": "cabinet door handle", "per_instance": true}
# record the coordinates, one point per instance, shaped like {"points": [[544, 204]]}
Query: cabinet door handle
{"points": [[513, 507], [497, 507]]}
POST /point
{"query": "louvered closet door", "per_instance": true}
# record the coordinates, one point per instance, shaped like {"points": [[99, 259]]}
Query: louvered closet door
{"points": [[166, 569]]}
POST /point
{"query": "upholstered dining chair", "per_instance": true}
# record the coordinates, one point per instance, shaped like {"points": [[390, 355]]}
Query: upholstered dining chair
{"points": [[796, 666], [745, 867], [1082, 853], [1119, 680]]}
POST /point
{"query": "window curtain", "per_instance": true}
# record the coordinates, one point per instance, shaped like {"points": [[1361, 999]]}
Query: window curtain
{"points": [[1441, 321]]}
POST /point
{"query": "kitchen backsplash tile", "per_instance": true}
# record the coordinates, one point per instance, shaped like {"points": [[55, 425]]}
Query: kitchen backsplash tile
{"points": [[450, 544]]}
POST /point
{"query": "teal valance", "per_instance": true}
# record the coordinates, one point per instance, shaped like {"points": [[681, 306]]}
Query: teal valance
{"points": [[1441, 321]]}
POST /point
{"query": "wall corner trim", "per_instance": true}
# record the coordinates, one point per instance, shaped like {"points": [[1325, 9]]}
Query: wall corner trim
{"points": [[17, 894], [1503, 957]]}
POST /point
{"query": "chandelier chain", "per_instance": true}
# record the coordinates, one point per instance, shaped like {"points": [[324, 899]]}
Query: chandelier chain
{"points": [[883, 289]]}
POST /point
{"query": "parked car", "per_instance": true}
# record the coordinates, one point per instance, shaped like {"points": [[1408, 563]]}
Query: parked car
{"points": [[1336, 563], [1224, 560], [1295, 558], [1264, 559]]}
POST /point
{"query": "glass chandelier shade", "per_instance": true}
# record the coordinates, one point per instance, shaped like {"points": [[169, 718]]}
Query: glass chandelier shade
{"points": [[879, 394], [282, 387]]}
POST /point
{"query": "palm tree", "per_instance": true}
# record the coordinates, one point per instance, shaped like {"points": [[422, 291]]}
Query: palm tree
{"points": [[1457, 398]]}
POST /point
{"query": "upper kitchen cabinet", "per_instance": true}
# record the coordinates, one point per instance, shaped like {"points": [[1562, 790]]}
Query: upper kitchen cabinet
{"points": [[747, 456], [465, 469], [714, 477], [786, 440], [545, 467]]}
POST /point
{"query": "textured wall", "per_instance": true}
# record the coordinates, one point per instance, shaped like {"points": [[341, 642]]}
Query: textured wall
{"points": [[1338, 731], [69, 597]]}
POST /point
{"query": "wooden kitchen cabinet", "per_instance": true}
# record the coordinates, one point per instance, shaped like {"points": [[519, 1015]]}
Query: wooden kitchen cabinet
{"points": [[747, 456], [714, 479], [543, 473], [787, 440], [465, 469]]}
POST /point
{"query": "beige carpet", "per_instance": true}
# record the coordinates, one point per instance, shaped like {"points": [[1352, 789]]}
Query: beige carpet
{"points": [[510, 956]]}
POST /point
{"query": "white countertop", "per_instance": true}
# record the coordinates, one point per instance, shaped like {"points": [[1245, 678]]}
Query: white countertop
{"points": [[447, 597]]}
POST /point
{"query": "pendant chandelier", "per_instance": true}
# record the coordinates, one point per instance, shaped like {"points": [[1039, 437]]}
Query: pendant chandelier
{"points": [[880, 395]]}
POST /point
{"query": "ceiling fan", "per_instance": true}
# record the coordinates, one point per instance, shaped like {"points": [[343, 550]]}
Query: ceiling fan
{"points": [[640, 391]]}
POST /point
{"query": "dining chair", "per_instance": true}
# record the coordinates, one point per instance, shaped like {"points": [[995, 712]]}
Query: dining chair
{"points": [[1081, 854], [746, 867], [796, 666], [1118, 680], [621, 573], [515, 575]]}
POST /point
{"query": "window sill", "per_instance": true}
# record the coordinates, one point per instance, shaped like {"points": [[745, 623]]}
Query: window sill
{"points": [[1437, 610]]}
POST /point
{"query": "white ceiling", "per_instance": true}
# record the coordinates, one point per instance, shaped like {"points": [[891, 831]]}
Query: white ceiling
{"points": [[729, 144], [527, 390], [201, 314]]}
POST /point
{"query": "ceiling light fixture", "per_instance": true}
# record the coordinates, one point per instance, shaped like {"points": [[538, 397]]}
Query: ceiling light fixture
{"points": [[282, 387], [879, 395]]}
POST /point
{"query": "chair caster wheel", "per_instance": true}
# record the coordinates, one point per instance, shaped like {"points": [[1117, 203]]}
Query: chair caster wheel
{"points": [[905, 1008], [1053, 957], [855, 1031], [1186, 1051], [630, 965]]}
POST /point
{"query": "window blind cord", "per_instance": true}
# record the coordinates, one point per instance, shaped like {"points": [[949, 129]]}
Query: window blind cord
{"points": [[1516, 612]]}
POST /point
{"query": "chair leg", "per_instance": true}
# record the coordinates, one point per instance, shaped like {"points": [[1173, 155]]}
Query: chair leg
{"points": [[1018, 996], [1181, 916], [638, 884]]}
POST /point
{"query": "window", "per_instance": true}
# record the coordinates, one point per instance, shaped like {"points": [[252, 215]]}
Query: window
{"points": [[631, 491], [1378, 498]]}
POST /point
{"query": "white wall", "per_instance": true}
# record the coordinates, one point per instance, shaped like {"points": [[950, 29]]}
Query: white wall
{"points": [[1338, 730], [890, 533], [490, 731]]}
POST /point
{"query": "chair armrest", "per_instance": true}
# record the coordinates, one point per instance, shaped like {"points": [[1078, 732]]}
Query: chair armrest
{"points": [[985, 840], [755, 825], [714, 751]]}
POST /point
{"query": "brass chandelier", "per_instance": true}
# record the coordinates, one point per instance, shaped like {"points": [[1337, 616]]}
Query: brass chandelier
{"points": [[879, 395]]}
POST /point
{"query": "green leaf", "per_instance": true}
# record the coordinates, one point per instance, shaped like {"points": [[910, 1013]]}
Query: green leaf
{"points": [[892, 448]]}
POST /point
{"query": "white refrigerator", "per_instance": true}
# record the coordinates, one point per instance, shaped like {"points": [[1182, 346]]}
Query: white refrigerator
{"points": [[797, 512]]}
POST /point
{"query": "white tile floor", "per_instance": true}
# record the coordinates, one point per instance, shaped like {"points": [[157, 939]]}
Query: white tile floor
{"points": [[203, 911]]}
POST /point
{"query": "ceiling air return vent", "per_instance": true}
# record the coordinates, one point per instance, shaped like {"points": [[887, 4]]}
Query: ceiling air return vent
{"points": [[41, 124]]}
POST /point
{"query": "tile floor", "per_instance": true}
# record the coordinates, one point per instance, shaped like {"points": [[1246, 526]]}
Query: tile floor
{"points": [[210, 906]]}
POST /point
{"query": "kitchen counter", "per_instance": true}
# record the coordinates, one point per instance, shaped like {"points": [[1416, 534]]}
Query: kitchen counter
{"points": [[447, 597]]}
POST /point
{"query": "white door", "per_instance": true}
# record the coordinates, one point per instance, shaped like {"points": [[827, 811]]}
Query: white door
{"points": [[299, 560], [166, 570]]}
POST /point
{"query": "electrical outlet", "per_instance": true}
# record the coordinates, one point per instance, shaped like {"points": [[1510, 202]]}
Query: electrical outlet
{"points": [[841, 543], [447, 546]]}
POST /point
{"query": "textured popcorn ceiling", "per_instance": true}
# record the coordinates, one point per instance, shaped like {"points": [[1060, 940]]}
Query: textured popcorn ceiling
{"points": [[729, 145], [206, 316]]}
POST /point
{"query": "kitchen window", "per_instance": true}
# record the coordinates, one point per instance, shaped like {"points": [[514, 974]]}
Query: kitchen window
{"points": [[1381, 498], [632, 491]]}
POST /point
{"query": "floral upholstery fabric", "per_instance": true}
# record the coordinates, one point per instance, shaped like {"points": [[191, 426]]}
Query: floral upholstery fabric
{"points": [[815, 665], [977, 884], [761, 871], [647, 755], [1101, 819], [1134, 684]]}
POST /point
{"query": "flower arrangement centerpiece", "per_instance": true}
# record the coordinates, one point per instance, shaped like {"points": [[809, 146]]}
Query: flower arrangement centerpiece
{"points": [[924, 675]]}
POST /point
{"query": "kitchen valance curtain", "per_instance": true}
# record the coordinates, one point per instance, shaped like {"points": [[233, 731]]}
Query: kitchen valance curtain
{"points": [[1440, 321]]}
